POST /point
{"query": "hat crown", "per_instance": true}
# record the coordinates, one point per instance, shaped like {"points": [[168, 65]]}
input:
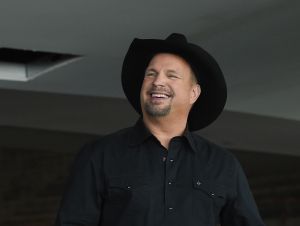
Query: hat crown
{"points": [[177, 38]]}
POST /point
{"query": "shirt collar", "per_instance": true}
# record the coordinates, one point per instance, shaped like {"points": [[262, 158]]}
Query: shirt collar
{"points": [[189, 137], [140, 133]]}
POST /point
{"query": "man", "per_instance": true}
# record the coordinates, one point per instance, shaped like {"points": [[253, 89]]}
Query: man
{"points": [[158, 172]]}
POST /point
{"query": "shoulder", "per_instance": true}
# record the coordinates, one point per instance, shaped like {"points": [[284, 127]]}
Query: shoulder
{"points": [[214, 154], [205, 145], [112, 141]]}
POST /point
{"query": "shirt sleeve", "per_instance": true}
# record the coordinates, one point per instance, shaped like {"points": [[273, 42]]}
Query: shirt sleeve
{"points": [[81, 203], [241, 209]]}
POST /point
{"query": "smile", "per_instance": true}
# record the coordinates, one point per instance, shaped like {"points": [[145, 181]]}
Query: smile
{"points": [[159, 95]]}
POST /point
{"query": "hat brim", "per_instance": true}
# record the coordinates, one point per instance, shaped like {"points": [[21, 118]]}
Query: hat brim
{"points": [[207, 71]]}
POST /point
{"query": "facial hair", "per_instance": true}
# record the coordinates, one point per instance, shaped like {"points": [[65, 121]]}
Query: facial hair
{"points": [[156, 110]]}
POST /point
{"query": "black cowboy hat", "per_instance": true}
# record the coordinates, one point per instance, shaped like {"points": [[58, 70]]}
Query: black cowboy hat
{"points": [[213, 95]]}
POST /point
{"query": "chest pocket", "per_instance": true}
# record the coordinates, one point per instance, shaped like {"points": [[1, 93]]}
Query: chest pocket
{"points": [[128, 194], [216, 194]]}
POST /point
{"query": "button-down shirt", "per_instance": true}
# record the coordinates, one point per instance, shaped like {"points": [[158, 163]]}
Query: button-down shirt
{"points": [[129, 179]]}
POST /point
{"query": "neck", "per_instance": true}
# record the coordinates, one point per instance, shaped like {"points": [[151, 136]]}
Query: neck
{"points": [[165, 128]]}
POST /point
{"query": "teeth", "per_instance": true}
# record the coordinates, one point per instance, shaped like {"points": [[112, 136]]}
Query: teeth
{"points": [[157, 95]]}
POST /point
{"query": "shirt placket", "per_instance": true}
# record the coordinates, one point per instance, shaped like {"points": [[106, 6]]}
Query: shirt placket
{"points": [[170, 180]]}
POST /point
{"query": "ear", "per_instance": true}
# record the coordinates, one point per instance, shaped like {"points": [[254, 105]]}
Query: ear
{"points": [[195, 93]]}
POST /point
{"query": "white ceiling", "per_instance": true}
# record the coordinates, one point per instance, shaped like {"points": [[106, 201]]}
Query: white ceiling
{"points": [[255, 42]]}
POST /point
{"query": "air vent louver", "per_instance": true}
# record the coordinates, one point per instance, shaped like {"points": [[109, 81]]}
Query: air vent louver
{"points": [[25, 65]]}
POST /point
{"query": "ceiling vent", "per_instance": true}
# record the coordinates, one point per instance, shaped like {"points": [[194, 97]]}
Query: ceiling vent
{"points": [[25, 65]]}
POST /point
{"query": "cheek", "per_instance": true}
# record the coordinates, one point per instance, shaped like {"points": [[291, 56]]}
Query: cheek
{"points": [[144, 88], [184, 95]]}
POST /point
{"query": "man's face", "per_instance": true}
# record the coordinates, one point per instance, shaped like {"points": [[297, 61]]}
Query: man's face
{"points": [[168, 86]]}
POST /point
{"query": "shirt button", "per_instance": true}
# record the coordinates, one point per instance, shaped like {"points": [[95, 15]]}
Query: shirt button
{"points": [[169, 182], [172, 160], [198, 183], [170, 208]]}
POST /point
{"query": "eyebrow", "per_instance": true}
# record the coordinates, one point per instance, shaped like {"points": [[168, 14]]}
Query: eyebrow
{"points": [[150, 69], [173, 71], [168, 71]]}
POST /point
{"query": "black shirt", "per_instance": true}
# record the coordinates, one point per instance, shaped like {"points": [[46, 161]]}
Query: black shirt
{"points": [[129, 179]]}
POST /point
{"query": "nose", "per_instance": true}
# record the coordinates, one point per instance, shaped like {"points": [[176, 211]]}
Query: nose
{"points": [[159, 80]]}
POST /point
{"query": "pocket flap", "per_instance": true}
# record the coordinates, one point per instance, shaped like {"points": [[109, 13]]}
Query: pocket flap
{"points": [[209, 188], [127, 182]]}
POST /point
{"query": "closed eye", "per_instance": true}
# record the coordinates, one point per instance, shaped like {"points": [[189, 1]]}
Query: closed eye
{"points": [[150, 73], [172, 76]]}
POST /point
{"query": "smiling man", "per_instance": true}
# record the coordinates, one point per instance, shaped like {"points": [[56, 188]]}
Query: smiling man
{"points": [[158, 172], [168, 92]]}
